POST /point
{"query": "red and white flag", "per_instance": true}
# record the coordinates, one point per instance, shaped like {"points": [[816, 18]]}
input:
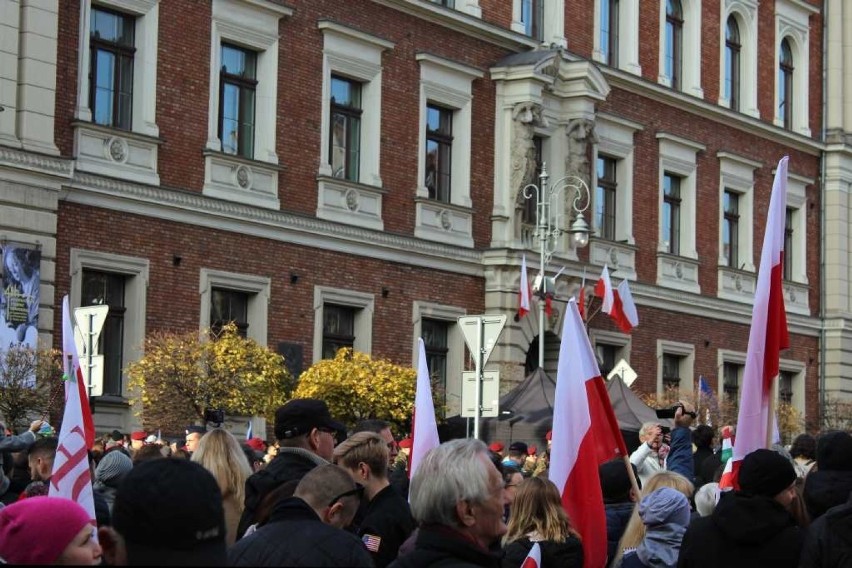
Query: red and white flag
{"points": [[71, 477], [533, 559], [424, 428], [585, 434], [581, 302], [524, 294], [768, 335], [603, 290], [623, 308]]}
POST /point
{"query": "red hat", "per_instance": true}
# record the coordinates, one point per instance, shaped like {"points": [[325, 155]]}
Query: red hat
{"points": [[55, 520], [549, 435], [405, 443], [532, 450], [256, 444], [496, 447], [139, 435]]}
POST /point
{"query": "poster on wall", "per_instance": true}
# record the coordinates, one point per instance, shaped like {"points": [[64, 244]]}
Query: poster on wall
{"points": [[19, 295]]}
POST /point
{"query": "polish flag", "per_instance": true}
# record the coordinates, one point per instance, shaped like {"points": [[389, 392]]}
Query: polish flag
{"points": [[603, 290], [623, 308], [71, 477], [524, 294], [581, 303], [533, 559], [585, 434], [768, 335], [424, 428]]}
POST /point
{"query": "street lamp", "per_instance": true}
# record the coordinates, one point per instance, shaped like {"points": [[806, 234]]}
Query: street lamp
{"points": [[548, 229]]}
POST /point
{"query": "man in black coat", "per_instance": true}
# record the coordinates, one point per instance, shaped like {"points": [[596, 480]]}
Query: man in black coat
{"points": [[386, 521], [750, 527], [307, 529], [306, 436], [457, 497], [829, 540]]}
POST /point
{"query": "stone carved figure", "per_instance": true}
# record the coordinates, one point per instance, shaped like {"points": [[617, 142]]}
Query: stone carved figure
{"points": [[581, 133], [525, 117]]}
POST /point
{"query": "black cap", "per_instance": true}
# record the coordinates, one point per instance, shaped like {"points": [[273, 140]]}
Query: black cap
{"points": [[301, 415], [170, 513], [116, 436], [195, 429], [519, 447], [767, 473]]}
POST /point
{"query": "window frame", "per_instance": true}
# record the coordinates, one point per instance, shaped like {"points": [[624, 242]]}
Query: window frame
{"points": [[455, 346], [442, 137], [786, 69], [686, 353], [242, 324], [344, 339], [731, 223], [552, 14], [245, 86], [119, 52], [351, 114], [792, 23], [362, 303], [733, 66], [257, 287], [729, 357], [672, 202], [673, 42], [109, 346], [606, 193]]}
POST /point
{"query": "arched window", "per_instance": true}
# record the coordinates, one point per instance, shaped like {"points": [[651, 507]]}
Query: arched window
{"points": [[785, 85], [674, 42], [733, 47]]}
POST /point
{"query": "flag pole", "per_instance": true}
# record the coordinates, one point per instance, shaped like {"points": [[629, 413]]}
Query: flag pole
{"points": [[632, 475], [770, 415]]}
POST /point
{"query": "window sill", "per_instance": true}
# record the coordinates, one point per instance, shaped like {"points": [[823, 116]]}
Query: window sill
{"points": [[121, 154], [350, 202], [796, 298], [736, 285], [235, 178], [678, 272], [443, 222], [618, 256]]}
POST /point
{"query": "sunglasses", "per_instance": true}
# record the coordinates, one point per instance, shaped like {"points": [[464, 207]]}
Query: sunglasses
{"points": [[359, 491]]}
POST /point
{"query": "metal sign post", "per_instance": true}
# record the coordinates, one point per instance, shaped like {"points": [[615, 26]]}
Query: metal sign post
{"points": [[480, 334], [90, 321]]}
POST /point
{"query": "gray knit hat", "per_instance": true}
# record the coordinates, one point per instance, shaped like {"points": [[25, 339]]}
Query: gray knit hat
{"points": [[113, 466]]}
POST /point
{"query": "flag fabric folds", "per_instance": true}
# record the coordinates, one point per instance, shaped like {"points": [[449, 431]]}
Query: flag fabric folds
{"points": [[424, 428], [603, 290], [623, 308], [585, 434], [524, 293], [768, 334], [533, 559], [71, 477]]}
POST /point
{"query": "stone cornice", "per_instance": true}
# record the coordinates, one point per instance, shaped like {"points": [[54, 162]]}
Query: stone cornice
{"points": [[41, 163], [196, 209]]}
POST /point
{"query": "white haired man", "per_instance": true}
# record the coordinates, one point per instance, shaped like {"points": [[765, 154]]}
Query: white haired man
{"points": [[457, 497]]}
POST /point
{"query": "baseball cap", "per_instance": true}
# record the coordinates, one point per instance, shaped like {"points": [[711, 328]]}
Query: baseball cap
{"points": [[138, 435], [178, 498], [301, 415]]}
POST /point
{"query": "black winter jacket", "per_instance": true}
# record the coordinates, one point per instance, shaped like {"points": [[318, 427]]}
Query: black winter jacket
{"points": [[567, 554], [825, 489], [617, 517], [829, 540], [290, 464], [295, 536], [442, 547], [744, 531]]}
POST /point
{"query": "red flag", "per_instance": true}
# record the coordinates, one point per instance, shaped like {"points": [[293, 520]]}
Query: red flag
{"points": [[603, 290], [768, 335], [585, 434], [71, 477], [533, 559], [524, 293], [424, 428], [623, 308]]}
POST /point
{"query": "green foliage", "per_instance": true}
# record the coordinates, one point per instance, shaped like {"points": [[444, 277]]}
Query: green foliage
{"points": [[357, 387], [21, 399], [182, 375]]}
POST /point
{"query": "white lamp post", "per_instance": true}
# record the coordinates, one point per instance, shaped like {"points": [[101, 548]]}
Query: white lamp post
{"points": [[548, 229]]}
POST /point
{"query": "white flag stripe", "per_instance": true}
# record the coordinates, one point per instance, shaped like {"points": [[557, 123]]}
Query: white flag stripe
{"points": [[425, 425]]}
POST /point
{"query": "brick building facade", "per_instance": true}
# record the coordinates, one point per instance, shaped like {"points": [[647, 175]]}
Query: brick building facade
{"points": [[332, 173]]}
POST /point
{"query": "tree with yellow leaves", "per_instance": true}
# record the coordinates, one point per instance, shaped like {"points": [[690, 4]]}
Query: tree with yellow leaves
{"points": [[30, 385], [183, 375], [357, 387]]}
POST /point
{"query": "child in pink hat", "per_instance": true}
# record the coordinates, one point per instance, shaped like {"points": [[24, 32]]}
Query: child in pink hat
{"points": [[47, 530]]}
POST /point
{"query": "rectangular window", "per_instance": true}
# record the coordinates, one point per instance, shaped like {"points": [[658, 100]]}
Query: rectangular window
{"points": [[674, 42], [111, 68], [671, 213], [338, 329], [731, 379], [606, 355], [445, 3], [671, 372], [107, 289], [434, 334], [439, 146], [229, 306], [532, 16], [345, 136], [785, 387], [237, 88], [609, 31], [605, 197], [730, 228], [788, 244]]}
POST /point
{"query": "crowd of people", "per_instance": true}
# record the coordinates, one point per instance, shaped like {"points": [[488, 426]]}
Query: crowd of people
{"points": [[321, 496]]}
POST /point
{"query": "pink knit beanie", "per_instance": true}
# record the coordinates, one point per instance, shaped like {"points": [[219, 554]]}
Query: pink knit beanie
{"points": [[37, 530]]}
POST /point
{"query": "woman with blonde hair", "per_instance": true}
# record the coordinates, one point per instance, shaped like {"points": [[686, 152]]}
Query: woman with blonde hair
{"points": [[220, 454], [537, 516], [634, 533]]}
